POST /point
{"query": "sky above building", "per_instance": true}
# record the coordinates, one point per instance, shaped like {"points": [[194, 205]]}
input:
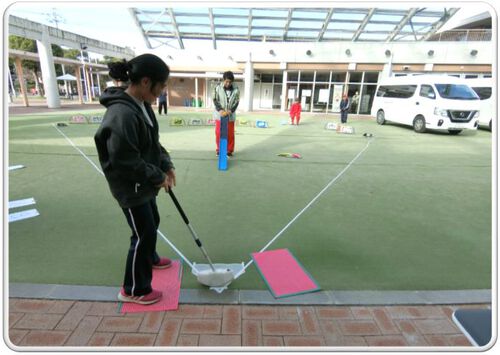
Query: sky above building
{"points": [[112, 22]]}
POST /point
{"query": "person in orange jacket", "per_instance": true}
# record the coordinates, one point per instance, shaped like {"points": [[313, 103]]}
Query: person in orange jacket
{"points": [[295, 111]]}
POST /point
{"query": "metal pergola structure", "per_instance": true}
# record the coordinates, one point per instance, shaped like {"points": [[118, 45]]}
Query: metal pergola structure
{"points": [[166, 25]]}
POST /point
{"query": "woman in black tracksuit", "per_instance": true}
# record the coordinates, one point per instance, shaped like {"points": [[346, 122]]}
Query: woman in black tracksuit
{"points": [[136, 166]]}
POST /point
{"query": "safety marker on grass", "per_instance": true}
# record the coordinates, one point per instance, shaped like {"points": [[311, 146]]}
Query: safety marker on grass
{"points": [[22, 203], [261, 124], [18, 216], [290, 155], [15, 167], [308, 205]]}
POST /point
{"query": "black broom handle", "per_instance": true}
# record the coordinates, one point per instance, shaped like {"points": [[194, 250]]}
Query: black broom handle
{"points": [[179, 208]]}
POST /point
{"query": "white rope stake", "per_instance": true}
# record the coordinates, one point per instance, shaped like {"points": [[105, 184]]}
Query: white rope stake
{"points": [[100, 172], [307, 206]]}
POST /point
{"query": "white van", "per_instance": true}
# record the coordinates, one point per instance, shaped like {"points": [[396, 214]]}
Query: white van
{"points": [[438, 102], [483, 88]]}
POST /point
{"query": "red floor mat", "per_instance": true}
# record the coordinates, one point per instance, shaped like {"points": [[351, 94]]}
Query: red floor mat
{"points": [[283, 274], [167, 281]]}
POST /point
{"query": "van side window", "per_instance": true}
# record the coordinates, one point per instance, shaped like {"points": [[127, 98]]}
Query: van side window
{"points": [[398, 91], [428, 92]]}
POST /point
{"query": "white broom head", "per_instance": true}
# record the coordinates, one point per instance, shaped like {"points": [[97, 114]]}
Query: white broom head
{"points": [[217, 278]]}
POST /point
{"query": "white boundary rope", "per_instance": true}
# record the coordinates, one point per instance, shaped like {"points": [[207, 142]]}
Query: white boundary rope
{"points": [[100, 172], [275, 237], [78, 149], [307, 206]]}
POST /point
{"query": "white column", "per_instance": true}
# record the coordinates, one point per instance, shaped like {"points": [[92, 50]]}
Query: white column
{"points": [[85, 79], [387, 71], [205, 101], [48, 70], [98, 80], [91, 81], [284, 91], [248, 103], [196, 92], [12, 89], [65, 81]]}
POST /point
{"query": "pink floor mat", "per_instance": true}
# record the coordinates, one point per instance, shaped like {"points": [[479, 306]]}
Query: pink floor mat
{"points": [[167, 281], [283, 274]]}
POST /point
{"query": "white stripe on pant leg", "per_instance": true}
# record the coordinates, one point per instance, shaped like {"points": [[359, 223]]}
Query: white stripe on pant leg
{"points": [[135, 252]]}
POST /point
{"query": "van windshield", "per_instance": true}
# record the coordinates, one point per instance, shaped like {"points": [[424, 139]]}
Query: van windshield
{"points": [[456, 92], [483, 92]]}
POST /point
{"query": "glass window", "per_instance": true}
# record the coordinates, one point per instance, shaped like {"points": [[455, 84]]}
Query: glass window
{"points": [[293, 76], [427, 91], [353, 94], [291, 94], [471, 76], [278, 78], [322, 77], [371, 77], [266, 78], [305, 96], [355, 77], [367, 99], [483, 92], [277, 95], [456, 92], [399, 91], [321, 96], [306, 76], [338, 77]]}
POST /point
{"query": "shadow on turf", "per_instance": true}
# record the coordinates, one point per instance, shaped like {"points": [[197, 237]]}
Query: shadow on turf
{"points": [[465, 132]]}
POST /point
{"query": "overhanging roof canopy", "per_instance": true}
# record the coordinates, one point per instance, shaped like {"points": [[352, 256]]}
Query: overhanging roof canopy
{"points": [[288, 24]]}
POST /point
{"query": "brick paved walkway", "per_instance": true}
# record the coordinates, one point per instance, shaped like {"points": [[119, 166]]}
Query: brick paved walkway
{"points": [[75, 323]]}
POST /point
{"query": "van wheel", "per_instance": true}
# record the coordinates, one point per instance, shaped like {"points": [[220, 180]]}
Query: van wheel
{"points": [[380, 117], [419, 124], [454, 132]]}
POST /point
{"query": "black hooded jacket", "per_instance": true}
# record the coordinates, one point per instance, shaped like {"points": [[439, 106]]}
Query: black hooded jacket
{"points": [[130, 153]]}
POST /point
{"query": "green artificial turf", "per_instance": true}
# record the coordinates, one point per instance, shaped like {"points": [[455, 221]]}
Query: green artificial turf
{"points": [[412, 213]]}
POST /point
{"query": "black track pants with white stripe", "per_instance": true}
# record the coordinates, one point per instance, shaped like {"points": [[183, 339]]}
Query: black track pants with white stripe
{"points": [[143, 221]]}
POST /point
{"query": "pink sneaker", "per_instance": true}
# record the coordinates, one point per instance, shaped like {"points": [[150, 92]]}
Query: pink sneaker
{"points": [[152, 297], [164, 263]]}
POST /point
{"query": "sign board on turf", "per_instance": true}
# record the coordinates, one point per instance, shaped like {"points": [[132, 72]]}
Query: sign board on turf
{"points": [[177, 122], [195, 122], [95, 119], [331, 126], [78, 119]]}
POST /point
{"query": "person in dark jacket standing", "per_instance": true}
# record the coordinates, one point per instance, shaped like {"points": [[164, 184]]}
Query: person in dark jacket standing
{"points": [[162, 102], [226, 97], [136, 166], [344, 108]]}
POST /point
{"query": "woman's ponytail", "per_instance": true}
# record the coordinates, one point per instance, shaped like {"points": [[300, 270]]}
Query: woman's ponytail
{"points": [[120, 70]]}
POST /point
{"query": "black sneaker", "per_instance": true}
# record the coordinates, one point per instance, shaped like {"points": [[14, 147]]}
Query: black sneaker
{"points": [[229, 154]]}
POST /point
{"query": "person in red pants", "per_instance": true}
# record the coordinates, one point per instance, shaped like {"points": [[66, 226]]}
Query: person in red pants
{"points": [[295, 111], [226, 97]]}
